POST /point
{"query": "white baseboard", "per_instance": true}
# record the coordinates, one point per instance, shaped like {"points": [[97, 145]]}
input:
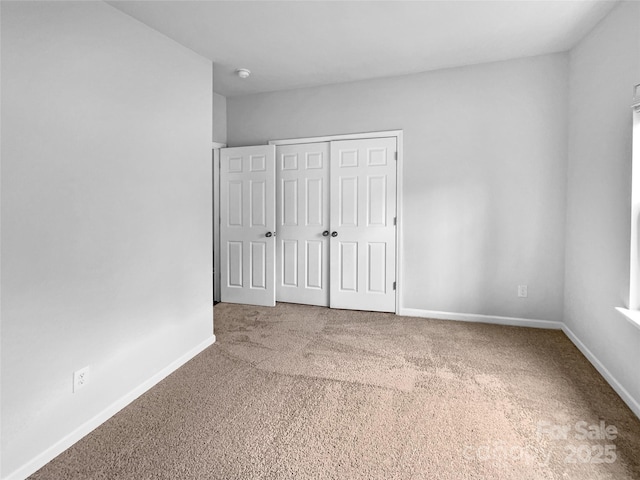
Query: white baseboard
{"points": [[631, 402], [56, 449], [66, 442], [470, 317]]}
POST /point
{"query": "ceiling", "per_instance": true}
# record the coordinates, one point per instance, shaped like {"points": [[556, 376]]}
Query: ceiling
{"points": [[289, 44]]}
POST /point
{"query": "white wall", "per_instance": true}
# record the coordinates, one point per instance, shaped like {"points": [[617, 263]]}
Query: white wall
{"points": [[484, 175], [603, 70], [219, 118], [106, 213]]}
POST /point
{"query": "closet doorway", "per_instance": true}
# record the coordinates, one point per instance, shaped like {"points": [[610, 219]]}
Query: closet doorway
{"points": [[312, 221]]}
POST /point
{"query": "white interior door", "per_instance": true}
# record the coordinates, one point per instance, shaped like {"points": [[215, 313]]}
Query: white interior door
{"points": [[363, 232], [302, 176], [247, 225]]}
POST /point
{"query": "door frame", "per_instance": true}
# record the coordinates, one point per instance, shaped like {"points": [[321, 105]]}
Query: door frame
{"points": [[398, 134], [216, 146]]}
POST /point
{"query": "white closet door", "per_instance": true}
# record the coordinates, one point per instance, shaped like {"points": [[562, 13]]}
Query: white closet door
{"points": [[302, 175], [363, 234], [247, 229]]}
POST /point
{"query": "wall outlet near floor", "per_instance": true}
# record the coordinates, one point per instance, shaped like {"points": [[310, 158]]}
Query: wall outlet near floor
{"points": [[522, 291], [80, 378]]}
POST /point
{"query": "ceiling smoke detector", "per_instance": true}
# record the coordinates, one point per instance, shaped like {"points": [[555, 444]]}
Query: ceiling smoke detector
{"points": [[243, 73]]}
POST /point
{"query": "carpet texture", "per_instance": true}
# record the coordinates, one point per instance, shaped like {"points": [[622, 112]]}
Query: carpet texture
{"points": [[299, 392]]}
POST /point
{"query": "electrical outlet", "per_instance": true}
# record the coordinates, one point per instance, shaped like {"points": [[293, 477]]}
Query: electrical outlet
{"points": [[522, 291], [80, 378]]}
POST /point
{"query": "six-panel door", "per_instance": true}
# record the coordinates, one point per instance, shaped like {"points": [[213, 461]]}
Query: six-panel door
{"points": [[335, 212], [302, 176], [363, 232], [247, 225]]}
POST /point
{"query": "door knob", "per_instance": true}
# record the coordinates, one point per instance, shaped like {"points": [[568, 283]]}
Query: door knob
{"points": [[268, 234], [325, 233], [334, 234]]}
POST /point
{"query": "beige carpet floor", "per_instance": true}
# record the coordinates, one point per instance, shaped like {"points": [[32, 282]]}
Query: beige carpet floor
{"points": [[299, 392]]}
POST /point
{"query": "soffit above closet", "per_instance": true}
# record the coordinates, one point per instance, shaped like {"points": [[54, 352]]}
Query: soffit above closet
{"points": [[299, 44]]}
